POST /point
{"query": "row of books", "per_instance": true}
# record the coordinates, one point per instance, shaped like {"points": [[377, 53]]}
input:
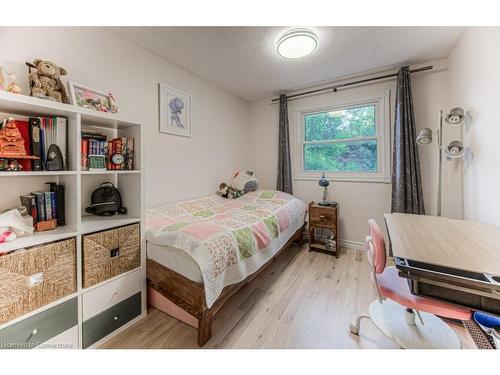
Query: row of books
{"points": [[117, 153], [39, 133], [46, 205]]}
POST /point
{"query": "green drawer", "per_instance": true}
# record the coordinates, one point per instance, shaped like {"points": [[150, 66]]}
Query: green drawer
{"points": [[109, 320], [40, 327]]}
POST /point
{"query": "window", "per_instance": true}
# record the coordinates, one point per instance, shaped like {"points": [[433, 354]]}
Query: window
{"points": [[344, 140]]}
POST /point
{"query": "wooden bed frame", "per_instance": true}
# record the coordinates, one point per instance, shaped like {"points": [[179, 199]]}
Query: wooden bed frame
{"points": [[190, 296]]}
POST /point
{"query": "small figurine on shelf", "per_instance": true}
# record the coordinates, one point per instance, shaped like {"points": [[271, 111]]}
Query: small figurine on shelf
{"points": [[13, 86], [10, 165], [112, 103], [11, 140], [2, 80]]}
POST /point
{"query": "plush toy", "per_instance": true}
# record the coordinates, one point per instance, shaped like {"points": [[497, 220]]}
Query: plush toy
{"points": [[245, 181], [45, 82], [226, 191]]}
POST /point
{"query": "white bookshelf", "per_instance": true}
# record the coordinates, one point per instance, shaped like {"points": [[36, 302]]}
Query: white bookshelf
{"points": [[78, 185]]}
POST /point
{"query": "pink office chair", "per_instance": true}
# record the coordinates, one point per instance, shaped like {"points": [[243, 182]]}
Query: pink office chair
{"points": [[393, 313]]}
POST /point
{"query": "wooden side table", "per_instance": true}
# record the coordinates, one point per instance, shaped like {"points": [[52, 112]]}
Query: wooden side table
{"points": [[323, 217]]}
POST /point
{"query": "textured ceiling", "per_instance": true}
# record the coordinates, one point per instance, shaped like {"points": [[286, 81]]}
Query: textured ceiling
{"points": [[243, 60]]}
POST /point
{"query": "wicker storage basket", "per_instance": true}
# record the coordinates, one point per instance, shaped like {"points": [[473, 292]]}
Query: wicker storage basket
{"points": [[35, 277], [109, 253]]}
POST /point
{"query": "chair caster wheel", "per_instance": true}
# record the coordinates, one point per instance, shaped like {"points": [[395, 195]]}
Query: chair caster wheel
{"points": [[354, 329]]}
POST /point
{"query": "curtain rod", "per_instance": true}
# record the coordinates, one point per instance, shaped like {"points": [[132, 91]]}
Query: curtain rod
{"points": [[336, 87]]}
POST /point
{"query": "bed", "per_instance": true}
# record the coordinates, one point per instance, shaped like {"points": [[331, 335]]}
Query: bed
{"points": [[202, 251]]}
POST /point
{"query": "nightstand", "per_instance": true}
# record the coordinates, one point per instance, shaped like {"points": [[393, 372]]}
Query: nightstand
{"points": [[323, 217]]}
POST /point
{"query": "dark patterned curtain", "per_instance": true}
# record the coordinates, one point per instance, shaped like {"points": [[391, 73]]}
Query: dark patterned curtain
{"points": [[407, 196], [284, 166]]}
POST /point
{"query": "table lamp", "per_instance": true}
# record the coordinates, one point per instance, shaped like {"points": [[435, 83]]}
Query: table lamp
{"points": [[323, 182]]}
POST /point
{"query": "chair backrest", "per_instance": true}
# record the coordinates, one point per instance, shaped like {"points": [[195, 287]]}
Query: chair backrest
{"points": [[377, 253]]}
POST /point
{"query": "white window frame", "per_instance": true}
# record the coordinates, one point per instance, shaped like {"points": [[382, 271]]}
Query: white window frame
{"points": [[381, 101]]}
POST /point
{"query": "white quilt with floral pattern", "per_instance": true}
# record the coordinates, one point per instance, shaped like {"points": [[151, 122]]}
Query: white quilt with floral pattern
{"points": [[229, 239]]}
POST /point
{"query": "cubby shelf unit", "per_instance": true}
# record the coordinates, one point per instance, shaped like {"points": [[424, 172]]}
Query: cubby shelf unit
{"points": [[78, 185]]}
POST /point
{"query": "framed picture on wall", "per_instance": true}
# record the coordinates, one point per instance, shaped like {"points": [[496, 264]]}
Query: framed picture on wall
{"points": [[175, 111]]}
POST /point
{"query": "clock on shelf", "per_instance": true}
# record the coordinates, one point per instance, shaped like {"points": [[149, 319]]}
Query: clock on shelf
{"points": [[117, 159]]}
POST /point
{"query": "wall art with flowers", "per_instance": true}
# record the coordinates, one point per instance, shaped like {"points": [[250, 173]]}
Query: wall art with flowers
{"points": [[175, 111]]}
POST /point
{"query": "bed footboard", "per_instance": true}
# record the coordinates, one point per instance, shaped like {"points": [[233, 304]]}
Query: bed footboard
{"points": [[190, 296]]}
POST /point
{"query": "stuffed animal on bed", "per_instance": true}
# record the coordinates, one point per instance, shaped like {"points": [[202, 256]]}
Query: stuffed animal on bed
{"points": [[242, 184], [226, 191], [245, 181]]}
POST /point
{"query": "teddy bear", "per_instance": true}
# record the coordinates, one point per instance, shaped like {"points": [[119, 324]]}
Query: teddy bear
{"points": [[45, 82]]}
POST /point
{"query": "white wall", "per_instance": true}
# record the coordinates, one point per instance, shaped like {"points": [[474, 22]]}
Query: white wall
{"points": [[176, 168], [475, 85], [229, 133], [360, 201]]}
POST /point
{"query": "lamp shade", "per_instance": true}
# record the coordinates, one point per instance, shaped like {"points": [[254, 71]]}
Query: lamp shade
{"points": [[455, 149], [323, 182], [456, 116], [425, 136]]}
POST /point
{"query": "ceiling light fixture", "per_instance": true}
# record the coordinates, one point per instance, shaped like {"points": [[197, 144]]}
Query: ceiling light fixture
{"points": [[297, 43]]}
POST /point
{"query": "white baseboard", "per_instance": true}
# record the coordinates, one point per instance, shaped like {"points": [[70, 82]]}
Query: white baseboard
{"points": [[352, 244], [345, 243]]}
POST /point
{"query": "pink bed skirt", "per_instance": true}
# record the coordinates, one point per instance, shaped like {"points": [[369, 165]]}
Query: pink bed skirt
{"points": [[156, 300]]}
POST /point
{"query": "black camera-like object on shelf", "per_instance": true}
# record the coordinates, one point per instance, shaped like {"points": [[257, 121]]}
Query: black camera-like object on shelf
{"points": [[106, 201]]}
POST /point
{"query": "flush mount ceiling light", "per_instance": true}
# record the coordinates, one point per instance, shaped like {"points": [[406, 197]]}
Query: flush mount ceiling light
{"points": [[297, 43]]}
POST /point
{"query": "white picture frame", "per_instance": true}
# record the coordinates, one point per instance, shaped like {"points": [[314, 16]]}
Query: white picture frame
{"points": [[175, 111], [79, 92]]}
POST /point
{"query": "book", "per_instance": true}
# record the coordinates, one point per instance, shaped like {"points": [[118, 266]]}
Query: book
{"points": [[129, 157], [58, 194], [60, 138], [95, 136], [44, 132], [42, 141], [40, 206], [85, 153], [29, 201], [53, 204], [36, 164], [48, 206], [109, 153]]}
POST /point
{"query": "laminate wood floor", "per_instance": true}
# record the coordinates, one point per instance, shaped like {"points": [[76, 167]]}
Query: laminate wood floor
{"points": [[302, 300]]}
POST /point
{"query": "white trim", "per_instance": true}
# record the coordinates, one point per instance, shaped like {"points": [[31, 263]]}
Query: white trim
{"points": [[381, 100], [354, 245]]}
